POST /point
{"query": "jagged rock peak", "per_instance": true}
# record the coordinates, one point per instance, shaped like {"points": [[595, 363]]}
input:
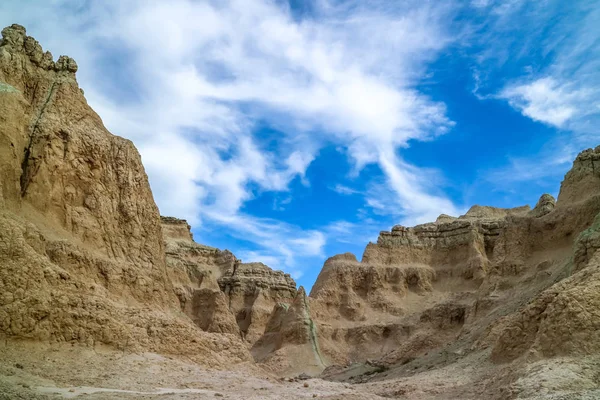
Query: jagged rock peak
{"points": [[175, 228], [14, 35], [545, 205], [343, 258], [15, 40], [583, 180], [444, 218], [588, 154], [301, 294], [481, 212]]}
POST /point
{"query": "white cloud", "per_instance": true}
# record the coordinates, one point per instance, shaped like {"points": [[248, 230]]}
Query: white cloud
{"points": [[547, 100], [418, 190], [355, 233], [187, 81], [555, 49], [344, 190]]}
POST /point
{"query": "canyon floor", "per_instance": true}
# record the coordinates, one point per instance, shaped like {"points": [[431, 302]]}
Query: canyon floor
{"points": [[30, 370]]}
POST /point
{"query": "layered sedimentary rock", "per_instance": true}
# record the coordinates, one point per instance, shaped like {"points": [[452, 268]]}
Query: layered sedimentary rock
{"points": [[253, 290], [289, 344], [582, 180], [217, 290], [464, 283], [565, 318], [409, 292], [81, 250], [193, 270]]}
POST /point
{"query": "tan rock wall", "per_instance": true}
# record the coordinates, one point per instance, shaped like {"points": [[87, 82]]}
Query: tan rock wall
{"points": [[72, 170], [583, 180], [216, 289], [82, 257]]}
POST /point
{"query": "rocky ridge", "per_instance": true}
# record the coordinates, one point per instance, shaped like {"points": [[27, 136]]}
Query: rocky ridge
{"points": [[217, 290], [517, 284], [81, 248]]}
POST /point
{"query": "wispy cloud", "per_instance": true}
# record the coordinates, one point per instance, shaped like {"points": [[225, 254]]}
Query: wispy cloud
{"points": [[552, 51], [548, 163], [344, 190], [564, 90], [549, 101], [272, 240]]}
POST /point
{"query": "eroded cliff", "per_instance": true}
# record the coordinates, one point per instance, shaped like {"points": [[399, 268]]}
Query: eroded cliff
{"points": [[515, 285], [81, 245], [217, 290]]}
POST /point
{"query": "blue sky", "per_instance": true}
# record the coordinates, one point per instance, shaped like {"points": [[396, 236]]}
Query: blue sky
{"points": [[290, 131]]}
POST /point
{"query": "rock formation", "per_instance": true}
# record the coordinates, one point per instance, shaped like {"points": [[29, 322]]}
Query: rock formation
{"points": [[81, 250], [545, 204], [218, 291], [520, 283], [253, 290], [85, 255], [290, 343], [582, 180]]}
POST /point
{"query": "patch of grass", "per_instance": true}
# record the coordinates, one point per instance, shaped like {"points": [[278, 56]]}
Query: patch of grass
{"points": [[6, 88], [380, 368]]}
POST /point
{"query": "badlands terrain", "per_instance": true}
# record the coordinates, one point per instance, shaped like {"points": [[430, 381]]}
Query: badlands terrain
{"points": [[102, 298]]}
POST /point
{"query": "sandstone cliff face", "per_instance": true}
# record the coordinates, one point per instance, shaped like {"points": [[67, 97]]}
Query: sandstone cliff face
{"points": [[254, 290], [565, 318], [583, 180], [193, 270], [290, 343], [65, 164], [81, 249], [485, 280], [218, 291]]}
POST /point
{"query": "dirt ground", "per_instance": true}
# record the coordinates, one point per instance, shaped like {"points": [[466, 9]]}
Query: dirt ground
{"points": [[31, 370], [35, 371]]}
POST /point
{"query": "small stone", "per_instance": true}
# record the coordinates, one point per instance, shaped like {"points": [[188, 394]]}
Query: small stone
{"points": [[305, 384], [20, 366], [218, 395]]}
